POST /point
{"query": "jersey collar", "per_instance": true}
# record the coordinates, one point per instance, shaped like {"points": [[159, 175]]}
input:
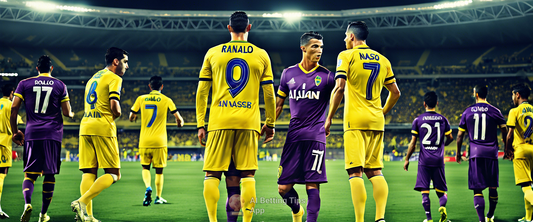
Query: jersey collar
{"points": [[238, 41], [483, 102], [45, 74], [363, 46], [155, 92], [310, 71]]}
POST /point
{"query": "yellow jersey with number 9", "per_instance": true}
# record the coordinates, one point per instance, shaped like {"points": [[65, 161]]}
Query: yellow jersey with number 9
{"points": [[366, 72], [100, 89], [237, 70], [521, 118]]}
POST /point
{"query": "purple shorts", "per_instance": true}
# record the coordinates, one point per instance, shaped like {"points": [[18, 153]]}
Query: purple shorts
{"points": [[42, 156], [483, 173], [303, 162], [427, 174]]}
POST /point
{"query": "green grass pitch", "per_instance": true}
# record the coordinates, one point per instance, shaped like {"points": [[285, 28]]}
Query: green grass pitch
{"points": [[184, 184]]}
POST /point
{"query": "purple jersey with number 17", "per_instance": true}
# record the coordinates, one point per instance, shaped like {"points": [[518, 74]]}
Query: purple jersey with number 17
{"points": [[42, 96], [431, 128], [482, 121]]}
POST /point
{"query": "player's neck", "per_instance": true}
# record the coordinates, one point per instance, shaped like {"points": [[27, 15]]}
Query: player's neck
{"points": [[241, 36], [431, 110], [308, 65], [522, 101], [45, 74], [113, 69], [480, 100], [5, 97], [358, 43]]}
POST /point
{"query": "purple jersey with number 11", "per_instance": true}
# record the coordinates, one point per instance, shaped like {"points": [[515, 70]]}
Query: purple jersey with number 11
{"points": [[431, 128], [482, 121], [42, 96]]}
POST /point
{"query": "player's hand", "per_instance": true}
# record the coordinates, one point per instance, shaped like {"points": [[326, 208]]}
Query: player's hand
{"points": [[180, 121], [458, 158], [327, 125], [268, 132], [18, 138], [406, 165], [201, 136], [71, 115], [509, 155]]}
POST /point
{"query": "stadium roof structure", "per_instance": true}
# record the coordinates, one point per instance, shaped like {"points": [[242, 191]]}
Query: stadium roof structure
{"points": [[441, 24]]}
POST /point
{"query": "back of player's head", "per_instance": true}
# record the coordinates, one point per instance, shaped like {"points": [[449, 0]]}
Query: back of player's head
{"points": [[359, 29], [114, 53], [482, 90], [431, 98], [306, 37], [522, 89], [238, 21], [7, 89], [44, 64], [156, 82]]}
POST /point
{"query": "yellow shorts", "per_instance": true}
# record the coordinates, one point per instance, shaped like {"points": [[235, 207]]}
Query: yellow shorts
{"points": [[363, 148], [99, 152], [6, 158], [223, 144], [156, 156], [523, 156]]}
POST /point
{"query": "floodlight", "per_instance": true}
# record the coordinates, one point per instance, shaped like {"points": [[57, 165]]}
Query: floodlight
{"points": [[452, 4]]}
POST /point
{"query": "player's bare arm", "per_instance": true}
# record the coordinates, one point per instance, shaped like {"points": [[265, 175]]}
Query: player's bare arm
{"points": [[179, 119], [449, 139], [67, 109], [270, 112], [279, 106], [460, 137], [503, 130], [115, 108], [509, 151], [393, 98], [133, 117], [18, 136], [336, 98], [410, 151]]}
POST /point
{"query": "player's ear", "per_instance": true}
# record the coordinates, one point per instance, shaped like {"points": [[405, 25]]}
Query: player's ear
{"points": [[116, 62], [230, 29], [161, 87], [302, 48], [249, 27], [150, 87], [51, 68]]}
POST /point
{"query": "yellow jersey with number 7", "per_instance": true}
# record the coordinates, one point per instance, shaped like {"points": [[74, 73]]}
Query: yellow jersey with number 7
{"points": [[366, 72], [98, 118], [237, 70], [521, 118]]}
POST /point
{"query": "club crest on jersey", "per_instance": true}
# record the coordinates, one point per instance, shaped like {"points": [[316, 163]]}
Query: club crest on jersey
{"points": [[318, 80]]}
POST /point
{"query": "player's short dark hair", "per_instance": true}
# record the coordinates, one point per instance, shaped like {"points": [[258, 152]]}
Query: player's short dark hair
{"points": [[156, 82], [306, 37], [114, 53], [431, 98], [522, 89], [359, 29], [482, 90], [44, 64], [7, 89], [238, 21]]}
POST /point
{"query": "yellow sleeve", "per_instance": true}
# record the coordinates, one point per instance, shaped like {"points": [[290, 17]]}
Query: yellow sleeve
{"points": [[205, 72], [389, 79], [270, 105], [115, 86], [172, 106], [267, 77], [343, 65], [511, 121], [201, 102], [136, 106]]}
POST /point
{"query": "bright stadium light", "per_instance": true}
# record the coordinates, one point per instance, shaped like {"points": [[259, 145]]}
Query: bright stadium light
{"points": [[289, 16], [453, 4], [48, 6], [9, 74]]}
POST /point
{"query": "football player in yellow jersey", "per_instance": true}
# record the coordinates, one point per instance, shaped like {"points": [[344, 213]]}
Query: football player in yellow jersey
{"points": [[98, 133], [236, 70], [153, 141], [519, 146], [361, 75], [5, 137]]}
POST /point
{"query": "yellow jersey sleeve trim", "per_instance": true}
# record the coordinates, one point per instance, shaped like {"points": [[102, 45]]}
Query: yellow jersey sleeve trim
{"points": [[282, 94], [461, 129], [390, 80], [448, 133], [65, 99], [340, 74], [19, 96], [414, 132]]}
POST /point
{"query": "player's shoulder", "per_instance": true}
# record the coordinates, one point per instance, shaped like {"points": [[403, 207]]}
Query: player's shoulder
{"points": [[322, 68]]}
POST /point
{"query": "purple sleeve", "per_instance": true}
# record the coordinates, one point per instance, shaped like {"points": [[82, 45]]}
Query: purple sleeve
{"points": [[20, 90], [283, 90], [447, 126], [500, 120], [462, 123], [414, 128]]}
